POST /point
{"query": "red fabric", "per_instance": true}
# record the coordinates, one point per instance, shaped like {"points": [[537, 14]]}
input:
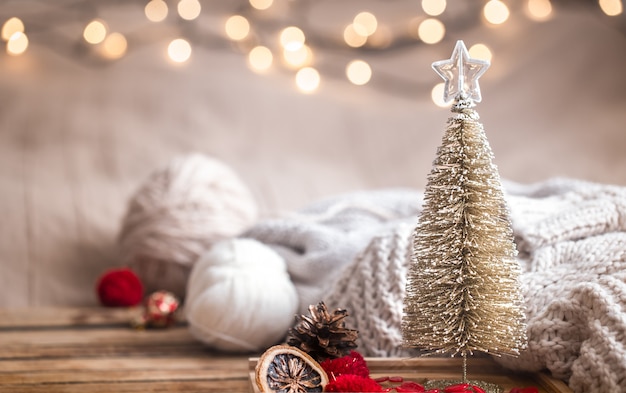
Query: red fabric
{"points": [[353, 363], [119, 288], [353, 383]]}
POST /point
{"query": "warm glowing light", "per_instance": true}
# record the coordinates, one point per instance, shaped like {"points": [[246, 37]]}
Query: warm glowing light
{"points": [[12, 26], [95, 32], [434, 7], [261, 4], [539, 10], [237, 27], [298, 58], [431, 31], [481, 52], [381, 38], [292, 38], [611, 7], [352, 38], [17, 43], [413, 28], [156, 10], [114, 46], [496, 12], [260, 59], [189, 9], [308, 79], [358, 72], [365, 24], [179, 50], [437, 95]]}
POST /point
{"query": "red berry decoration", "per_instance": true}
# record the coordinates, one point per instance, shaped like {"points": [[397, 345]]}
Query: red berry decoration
{"points": [[119, 288], [353, 383], [353, 363]]}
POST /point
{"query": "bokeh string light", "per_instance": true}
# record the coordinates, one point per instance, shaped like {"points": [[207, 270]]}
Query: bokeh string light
{"points": [[114, 46], [95, 32], [539, 10], [308, 79], [237, 27], [279, 35], [611, 7], [179, 50], [260, 59], [11, 26], [189, 9], [358, 72], [496, 12], [17, 44], [156, 10]]}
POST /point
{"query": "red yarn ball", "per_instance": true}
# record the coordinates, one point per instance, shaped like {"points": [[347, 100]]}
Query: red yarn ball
{"points": [[119, 288]]}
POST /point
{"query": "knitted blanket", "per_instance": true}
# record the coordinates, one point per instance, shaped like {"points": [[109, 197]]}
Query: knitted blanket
{"points": [[352, 252]]}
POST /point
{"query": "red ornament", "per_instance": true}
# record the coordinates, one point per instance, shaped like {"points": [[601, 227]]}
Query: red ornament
{"points": [[353, 383], [353, 363], [119, 288], [160, 309]]}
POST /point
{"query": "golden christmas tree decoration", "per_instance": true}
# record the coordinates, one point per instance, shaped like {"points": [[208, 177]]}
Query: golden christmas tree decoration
{"points": [[463, 291]]}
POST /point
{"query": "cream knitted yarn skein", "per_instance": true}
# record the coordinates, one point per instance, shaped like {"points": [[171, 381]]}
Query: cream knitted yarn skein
{"points": [[240, 297], [179, 212], [371, 289]]}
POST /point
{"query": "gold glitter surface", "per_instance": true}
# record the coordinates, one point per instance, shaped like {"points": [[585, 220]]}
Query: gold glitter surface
{"points": [[441, 384]]}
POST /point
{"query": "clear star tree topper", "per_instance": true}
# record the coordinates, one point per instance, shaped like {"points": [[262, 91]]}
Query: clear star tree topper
{"points": [[463, 285]]}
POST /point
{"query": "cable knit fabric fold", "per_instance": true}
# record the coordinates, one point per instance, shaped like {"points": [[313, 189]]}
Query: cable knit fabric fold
{"points": [[351, 251]]}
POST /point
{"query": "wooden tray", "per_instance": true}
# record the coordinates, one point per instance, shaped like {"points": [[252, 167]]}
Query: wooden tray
{"points": [[423, 369]]}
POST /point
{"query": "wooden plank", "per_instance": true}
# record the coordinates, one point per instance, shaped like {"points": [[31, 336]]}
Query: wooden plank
{"points": [[97, 337], [66, 316], [424, 369], [121, 349], [195, 386], [95, 341], [191, 361], [120, 375], [96, 350]]}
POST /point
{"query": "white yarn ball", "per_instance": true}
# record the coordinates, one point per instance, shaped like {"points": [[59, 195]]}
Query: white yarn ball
{"points": [[178, 213], [240, 297]]}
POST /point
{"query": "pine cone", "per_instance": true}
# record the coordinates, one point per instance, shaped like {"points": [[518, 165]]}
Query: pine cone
{"points": [[323, 335]]}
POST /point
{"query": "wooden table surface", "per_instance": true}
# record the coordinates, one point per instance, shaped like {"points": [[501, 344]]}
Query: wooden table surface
{"points": [[95, 350]]}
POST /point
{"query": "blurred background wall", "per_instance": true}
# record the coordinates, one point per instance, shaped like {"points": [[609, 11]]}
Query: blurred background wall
{"points": [[94, 96]]}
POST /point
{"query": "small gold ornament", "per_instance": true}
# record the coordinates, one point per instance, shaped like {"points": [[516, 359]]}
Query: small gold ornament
{"points": [[159, 311]]}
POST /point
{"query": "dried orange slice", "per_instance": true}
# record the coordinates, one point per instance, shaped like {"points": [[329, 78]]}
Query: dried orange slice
{"points": [[287, 369]]}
